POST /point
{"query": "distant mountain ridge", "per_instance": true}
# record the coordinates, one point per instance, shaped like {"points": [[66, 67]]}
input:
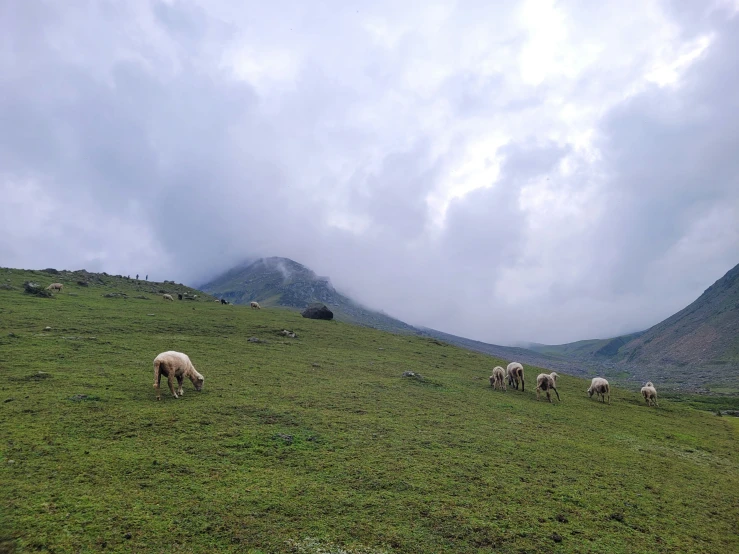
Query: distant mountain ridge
{"points": [[283, 282], [698, 344]]}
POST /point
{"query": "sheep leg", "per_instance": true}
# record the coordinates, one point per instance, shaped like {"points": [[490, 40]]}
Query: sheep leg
{"points": [[179, 383], [555, 390], [170, 381], [523, 385], [157, 378]]}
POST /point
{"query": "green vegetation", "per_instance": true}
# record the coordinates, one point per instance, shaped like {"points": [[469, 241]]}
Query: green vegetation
{"points": [[317, 444]]}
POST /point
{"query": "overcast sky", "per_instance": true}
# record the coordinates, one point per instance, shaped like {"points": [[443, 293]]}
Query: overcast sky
{"points": [[506, 171]]}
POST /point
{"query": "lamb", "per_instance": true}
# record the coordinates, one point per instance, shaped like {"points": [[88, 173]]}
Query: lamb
{"points": [[497, 379], [255, 305], [600, 387], [546, 383], [55, 286], [514, 371], [177, 365], [649, 393], [168, 297]]}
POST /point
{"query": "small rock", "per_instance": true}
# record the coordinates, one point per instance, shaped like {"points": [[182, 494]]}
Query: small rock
{"points": [[11, 462], [562, 518], [412, 374], [127, 536], [556, 537], [618, 517], [149, 314], [254, 339], [9, 399], [316, 365], [47, 328]]}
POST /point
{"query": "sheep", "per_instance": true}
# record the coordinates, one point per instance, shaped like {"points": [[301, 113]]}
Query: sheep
{"points": [[546, 383], [649, 393], [55, 286], [177, 365], [168, 297], [179, 296], [600, 387], [497, 379], [223, 301], [255, 305], [514, 371]]}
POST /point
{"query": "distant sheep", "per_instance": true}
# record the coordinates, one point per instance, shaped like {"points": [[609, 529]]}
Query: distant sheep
{"points": [[223, 301], [546, 383], [179, 296], [600, 387], [514, 371], [255, 305], [175, 365], [497, 379], [168, 297], [649, 393], [55, 286]]}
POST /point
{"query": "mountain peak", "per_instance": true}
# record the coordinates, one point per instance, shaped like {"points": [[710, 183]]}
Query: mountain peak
{"points": [[276, 281]]}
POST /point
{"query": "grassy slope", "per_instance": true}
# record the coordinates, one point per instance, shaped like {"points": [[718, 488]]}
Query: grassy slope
{"points": [[278, 454]]}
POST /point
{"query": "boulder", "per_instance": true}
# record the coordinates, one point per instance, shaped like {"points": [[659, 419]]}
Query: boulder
{"points": [[318, 312]]}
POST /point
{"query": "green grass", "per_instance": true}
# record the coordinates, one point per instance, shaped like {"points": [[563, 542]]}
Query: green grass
{"points": [[317, 444]]}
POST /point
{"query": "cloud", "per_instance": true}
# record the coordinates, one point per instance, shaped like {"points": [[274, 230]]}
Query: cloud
{"points": [[535, 171]]}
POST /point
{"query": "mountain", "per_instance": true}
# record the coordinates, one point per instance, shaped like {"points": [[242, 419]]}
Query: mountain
{"points": [[283, 282], [695, 349], [698, 344]]}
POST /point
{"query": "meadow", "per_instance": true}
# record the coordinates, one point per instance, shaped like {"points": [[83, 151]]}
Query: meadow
{"points": [[318, 444]]}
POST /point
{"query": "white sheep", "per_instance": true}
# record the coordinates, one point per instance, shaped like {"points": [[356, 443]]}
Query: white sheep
{"points": [[649, 393], [175, 365], [168, 297], [55, 286], [497, 379], [600, 387], [546, 383], [255, 305], [514, 371]]}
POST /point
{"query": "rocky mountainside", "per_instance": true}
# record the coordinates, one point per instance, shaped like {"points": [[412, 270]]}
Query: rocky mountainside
{"points": [[284, 282]]}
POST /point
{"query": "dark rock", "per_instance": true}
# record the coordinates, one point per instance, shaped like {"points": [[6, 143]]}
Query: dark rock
{"points": [[562, 518], [127, 536], [51, 270], [318, 312], [618, 517], [83, 283], [412, 375], [556, 537], [35, 288]]}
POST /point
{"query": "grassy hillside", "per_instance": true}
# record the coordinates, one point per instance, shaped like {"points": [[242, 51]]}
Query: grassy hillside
{"points": [[317, 444], [283, 282]]}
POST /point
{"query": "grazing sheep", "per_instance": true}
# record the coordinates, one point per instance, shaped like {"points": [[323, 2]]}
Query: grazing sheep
{"points": [[55, 286], [497, 379], [179, 296], [546, 383], [223, 301], [255, 305], [175, 365], [168, 297], [514, 371], [600, 387], [649, 393]]}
